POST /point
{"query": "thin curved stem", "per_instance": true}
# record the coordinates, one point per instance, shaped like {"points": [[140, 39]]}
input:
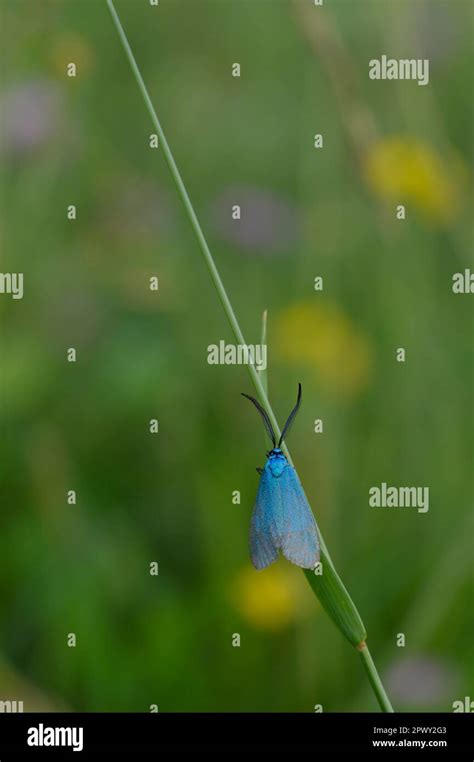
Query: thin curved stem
{"points": [[214, 273], [374, 678]]}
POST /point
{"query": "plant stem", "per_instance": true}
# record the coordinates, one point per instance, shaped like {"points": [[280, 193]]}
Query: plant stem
{"points": [[374, 678], [192, 216], [263, 343], [351, 618]]}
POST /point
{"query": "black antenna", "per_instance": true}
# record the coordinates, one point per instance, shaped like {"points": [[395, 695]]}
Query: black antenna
{"points": [[291, 417], [264, 414]]}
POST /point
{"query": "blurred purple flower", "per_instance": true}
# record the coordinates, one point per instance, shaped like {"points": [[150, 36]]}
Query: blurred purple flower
{"points": [[420, 680], [267, 223], [31, 115], [438, 30]]}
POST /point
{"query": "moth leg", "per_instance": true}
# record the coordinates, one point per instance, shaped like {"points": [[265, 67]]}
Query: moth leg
{"points": [[259, 470]]}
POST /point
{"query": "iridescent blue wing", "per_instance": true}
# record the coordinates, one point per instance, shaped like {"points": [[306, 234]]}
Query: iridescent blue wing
{"points": [[298, 536], [282, 520], [263, 550]]}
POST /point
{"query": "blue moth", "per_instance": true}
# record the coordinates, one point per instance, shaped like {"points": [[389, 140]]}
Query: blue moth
{"points": [[282, 519]]}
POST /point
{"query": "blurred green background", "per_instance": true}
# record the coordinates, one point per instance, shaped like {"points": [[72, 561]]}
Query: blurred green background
{"points": [[306, 212]]}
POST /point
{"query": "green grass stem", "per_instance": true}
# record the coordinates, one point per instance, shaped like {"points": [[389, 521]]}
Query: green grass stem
{"points": [[328, 586]]}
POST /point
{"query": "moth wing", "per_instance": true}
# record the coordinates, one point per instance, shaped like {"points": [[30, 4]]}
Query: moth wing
{"points": [[263, 549], [298, 539]]}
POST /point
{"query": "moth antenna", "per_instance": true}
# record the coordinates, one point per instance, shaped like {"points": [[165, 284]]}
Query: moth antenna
{"points": [[291, 417], [265, 418]]}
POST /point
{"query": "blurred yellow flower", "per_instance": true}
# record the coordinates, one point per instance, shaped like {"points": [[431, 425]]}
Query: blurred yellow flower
{"points": [[267, 599], [406, 170], [72, 48], [321, 336]]}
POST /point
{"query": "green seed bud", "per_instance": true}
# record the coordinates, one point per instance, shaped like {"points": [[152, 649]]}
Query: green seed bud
{"points": [[336, 601]]}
